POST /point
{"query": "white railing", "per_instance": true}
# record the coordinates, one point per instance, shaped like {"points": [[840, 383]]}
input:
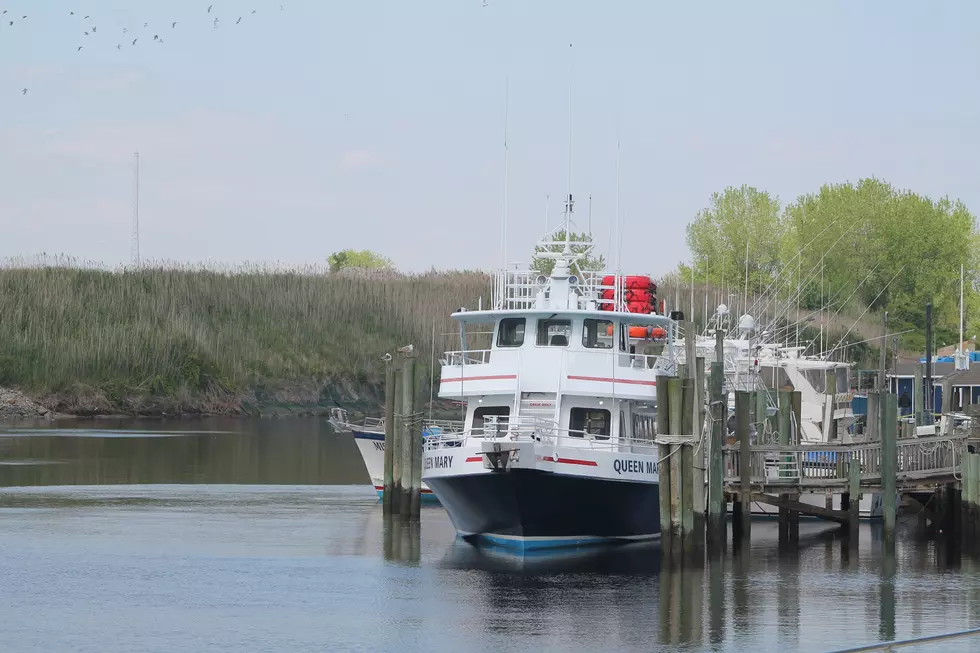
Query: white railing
{"points": [[536, 429], [518, 289], [466, 357], [377, 425], [917, 458], [660, 362]]}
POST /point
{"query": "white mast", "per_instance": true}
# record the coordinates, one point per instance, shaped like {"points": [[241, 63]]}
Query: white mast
{"points": [[503, 227]]}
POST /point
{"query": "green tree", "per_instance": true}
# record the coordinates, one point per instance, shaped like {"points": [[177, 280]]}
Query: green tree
{"points": [[352, 258], [742, 228], [590, 262]]}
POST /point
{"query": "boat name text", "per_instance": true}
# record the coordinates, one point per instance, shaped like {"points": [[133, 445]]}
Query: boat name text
{"points": [[629, 466], [439, 462]]}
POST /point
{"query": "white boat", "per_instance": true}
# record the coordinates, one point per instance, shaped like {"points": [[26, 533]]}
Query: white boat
{"points": [[369, 436], [557, 447]]}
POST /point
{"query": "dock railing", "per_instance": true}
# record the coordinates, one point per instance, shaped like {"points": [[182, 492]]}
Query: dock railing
{"points": [[827, 465]]}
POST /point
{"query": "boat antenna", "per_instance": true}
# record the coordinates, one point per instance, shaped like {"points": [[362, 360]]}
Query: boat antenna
{"points": [[503, 227], [569, 202], [590, 216]]}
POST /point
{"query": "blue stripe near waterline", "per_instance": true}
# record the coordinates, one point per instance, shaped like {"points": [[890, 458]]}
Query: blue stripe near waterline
{"points": [[521, 544], [426, 497]]}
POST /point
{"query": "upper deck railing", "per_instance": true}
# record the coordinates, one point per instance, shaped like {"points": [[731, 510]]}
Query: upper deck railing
{"points": [[518, 289], [536, 429]]}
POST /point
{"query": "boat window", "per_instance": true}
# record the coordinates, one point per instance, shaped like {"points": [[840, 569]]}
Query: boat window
{"points": [[484, 411], [510, 333], [598, 334], [554, 333], [622, 426], [622, 336], [591, 421]]}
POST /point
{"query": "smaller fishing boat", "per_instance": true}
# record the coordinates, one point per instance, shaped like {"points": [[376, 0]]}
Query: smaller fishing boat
{"points": [[369, 436]]}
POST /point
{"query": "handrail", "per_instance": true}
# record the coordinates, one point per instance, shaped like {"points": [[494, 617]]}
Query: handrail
{"points": [[889, 646], [827, 464]]}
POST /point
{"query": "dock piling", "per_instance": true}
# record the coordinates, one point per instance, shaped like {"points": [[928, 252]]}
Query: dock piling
{"points": [[388, 487], [743, 408], [716, 457], [411, 449], [888, 410]]}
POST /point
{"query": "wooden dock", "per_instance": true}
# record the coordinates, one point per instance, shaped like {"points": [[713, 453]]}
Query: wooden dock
{"points": [[940, 474]]}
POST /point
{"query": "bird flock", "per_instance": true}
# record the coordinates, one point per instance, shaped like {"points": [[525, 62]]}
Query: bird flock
{"points": [[89, 32]]}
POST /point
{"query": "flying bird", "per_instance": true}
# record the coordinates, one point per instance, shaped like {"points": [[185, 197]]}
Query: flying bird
{"points": [[239, 20], [87, 17], [119, 46], [253, 11], [407, 349], [146, 24], [79, 48], [93, 29], [86, 33], [70, 13], [5, 11], [125, 29], [209, 8], [215, 23], [173, 24], [11, 22], [135, 40], [281, 8], [23, 91], [155, 37]]}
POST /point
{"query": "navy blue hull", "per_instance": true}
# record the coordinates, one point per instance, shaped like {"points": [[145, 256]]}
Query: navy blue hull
{"points": [[529, 508]]}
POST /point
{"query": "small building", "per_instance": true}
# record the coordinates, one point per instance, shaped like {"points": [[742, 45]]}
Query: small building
{"points": [[965, 383]]}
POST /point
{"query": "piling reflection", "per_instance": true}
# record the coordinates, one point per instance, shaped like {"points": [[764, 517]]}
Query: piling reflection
{"points": [[402, 540]]}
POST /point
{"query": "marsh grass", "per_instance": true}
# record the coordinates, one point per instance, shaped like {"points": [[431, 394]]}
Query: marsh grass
{"points": [[96, 339]]}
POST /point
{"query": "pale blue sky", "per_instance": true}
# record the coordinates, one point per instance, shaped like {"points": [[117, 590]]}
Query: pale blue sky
{"points": [[378, 123]]}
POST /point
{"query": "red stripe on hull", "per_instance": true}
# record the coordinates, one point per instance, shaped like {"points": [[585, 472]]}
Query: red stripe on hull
{"points": [[475, 459], [574, 461], [606, 380]]}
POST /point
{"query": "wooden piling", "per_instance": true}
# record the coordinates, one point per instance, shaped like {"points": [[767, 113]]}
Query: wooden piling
{"points": [[716, 458], [873, 418], [388, 487], [888, 409], [854, 493], [675, 402], [411, 459], [699, 494], [663, 465], [398, 468], [743, 408]]}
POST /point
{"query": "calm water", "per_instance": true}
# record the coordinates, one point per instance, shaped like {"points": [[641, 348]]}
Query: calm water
{"points": [[264, 536]]}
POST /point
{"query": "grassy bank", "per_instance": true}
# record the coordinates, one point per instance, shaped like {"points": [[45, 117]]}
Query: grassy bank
{"points": [[188, 340]]}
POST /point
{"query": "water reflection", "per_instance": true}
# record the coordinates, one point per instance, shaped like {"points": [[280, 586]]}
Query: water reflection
{"points": [[301, 451]]}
